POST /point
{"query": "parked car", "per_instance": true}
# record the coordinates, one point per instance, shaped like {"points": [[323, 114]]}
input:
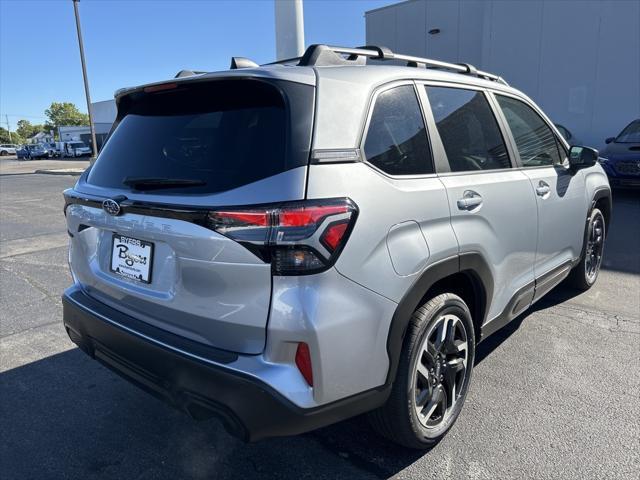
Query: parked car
{"points": [[621, 157], [566, 133], [76, 149], [8, 149], [36, 151], [256, 248]]}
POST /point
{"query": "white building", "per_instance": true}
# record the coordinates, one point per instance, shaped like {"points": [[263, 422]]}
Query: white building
{"points": [[74, 133], [579, 60], [104, 114], [41, 137]]}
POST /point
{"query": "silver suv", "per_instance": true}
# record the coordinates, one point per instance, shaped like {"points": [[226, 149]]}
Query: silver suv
{"points": [[286, 246]]}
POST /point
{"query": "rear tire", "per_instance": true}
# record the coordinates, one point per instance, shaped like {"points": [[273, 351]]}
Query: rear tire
{"points": [[433, 375], [4, 153], [585, 273]]}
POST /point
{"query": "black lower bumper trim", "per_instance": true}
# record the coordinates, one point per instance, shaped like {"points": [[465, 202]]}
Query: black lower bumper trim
{"points": [[202, 385]]}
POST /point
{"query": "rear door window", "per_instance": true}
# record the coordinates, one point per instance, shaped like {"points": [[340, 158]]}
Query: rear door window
{"points": [[396, 141], [536, 142], [222, 134], [468, 129]]}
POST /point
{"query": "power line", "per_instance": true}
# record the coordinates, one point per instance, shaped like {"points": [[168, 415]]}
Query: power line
{"points": [[23, 116]]}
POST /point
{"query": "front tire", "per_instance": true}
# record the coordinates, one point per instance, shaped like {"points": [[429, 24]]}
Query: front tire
{"points": [[433, 375], [585, 273]]}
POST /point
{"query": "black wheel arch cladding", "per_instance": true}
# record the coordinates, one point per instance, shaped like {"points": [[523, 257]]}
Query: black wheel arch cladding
{"points": [[472, 264]]}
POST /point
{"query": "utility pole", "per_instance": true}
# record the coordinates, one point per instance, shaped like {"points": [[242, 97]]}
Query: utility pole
{"points": [[8, 127], [94, 145]]}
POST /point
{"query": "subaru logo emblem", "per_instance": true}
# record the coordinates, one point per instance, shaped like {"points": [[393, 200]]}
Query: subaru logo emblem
{"points": [[111, 207]]}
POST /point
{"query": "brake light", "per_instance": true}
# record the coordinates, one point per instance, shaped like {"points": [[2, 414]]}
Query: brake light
{"points": [[333, 234], [297, 238], [303, 362], [160, 87], [298, 217]]}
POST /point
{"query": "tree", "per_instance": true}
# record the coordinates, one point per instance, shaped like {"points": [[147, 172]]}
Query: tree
{"points": [[4, 136], [64, 113], [26, 130]]}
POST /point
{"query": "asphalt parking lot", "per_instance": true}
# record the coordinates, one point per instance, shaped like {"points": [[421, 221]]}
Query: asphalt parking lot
{"points": [[556, 394]]}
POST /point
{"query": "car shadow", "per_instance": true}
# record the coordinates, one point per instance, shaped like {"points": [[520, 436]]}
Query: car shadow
{"points": [[71, 417], [66, 416], [560, 294]]}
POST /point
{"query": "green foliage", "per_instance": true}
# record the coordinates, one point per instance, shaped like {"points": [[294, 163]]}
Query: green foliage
{"points": [[4, 137], [64, 113], [26, 130]]}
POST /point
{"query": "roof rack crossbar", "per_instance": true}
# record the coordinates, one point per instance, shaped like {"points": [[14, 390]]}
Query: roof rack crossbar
{"points": [[382, 53]]}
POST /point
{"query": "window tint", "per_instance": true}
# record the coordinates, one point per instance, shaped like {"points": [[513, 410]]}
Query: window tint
{"points": [[223, 133], [534, 138], [468, 129], [396, 140]]}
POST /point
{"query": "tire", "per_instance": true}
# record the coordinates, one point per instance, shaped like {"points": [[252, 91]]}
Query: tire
{"points": [[424, 380], [4, 153], [585, 273]]}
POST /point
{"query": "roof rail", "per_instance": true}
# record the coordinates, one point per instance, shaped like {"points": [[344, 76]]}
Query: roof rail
{"points": [[321, 55]]}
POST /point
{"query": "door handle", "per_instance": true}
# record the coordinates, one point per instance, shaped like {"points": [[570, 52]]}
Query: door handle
{"points": [[469, 200], [542, 189]]}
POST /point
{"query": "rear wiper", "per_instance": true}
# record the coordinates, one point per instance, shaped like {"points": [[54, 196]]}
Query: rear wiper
{"points": [[154, 183]]}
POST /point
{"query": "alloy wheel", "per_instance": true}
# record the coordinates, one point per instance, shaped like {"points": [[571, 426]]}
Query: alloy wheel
{"points": [[595, 247], [440, 371]]}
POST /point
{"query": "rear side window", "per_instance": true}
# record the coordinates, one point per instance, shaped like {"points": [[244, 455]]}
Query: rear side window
{"points": [[537, 145], [396, 140], [222, 134], [468, 129]]}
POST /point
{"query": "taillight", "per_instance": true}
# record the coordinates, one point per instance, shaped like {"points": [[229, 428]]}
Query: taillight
{"points": [[297, 238]]}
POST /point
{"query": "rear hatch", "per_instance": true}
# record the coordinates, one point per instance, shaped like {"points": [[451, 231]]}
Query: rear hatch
{"points": [[138, 218]]}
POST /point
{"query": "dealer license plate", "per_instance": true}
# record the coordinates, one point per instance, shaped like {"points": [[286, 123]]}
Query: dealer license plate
{"points": [[132, 258]]}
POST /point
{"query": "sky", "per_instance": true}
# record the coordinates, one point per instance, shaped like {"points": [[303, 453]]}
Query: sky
{"points": [[130, 42]]}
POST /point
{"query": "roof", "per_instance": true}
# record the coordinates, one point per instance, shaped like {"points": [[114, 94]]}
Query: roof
{"points": [[354, 64], [386, 7]]}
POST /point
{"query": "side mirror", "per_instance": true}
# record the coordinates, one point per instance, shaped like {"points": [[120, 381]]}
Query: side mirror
{"points": [[582, 157], [609, 140]]}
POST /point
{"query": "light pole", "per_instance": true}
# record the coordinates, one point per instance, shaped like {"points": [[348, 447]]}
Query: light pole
{"points": [[289, 29], [94, 145]]}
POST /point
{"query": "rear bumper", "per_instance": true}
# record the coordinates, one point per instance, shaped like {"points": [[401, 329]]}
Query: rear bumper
{"points": [[196, 378]]}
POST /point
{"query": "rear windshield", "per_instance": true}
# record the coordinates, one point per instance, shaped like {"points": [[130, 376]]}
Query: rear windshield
{"points": [[221, 134]]}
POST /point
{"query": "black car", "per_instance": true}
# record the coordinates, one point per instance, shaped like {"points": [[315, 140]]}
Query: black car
{"points": [[621, 157]]}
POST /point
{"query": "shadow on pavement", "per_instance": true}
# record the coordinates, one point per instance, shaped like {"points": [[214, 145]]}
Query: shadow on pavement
{"points": [[66, 416]]}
